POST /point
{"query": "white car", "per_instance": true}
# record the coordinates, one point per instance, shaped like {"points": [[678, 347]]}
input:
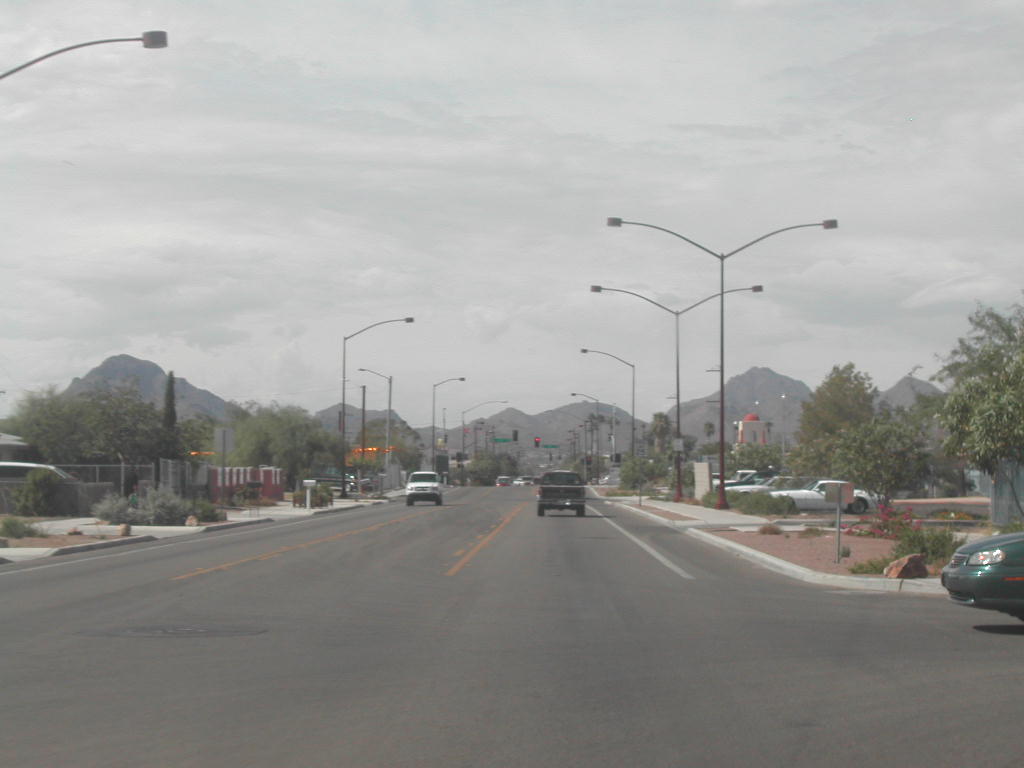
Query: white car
{"points": [[523, 481], [423, 486], [811, 498], [777, 483]]}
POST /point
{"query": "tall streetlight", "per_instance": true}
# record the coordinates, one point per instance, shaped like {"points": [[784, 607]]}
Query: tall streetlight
{"points": [[596, 452], [155, 39], [344, 381], [679, 435], [433, 419], [826, 224], [632, 407], [473, 408], [387, 427]]}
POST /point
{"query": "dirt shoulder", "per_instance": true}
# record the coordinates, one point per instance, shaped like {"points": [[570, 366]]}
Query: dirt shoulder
{"points": [[817, 553]]}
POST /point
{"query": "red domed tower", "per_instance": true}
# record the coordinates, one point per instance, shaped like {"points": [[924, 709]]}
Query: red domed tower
{"points": [[752, 430]]}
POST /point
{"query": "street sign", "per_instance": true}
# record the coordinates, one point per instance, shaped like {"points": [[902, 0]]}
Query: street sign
{"points": [[549, 446], [503, 440]]}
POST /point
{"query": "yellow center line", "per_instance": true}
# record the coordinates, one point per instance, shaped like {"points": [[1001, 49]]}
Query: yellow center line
{"points": [[483, 543], [304, 545]]}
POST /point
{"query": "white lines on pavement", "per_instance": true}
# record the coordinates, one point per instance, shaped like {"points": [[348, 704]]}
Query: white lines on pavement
{"points": [[650, 550]]}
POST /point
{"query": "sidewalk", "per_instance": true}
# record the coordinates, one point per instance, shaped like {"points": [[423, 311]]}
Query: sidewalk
{"points": [[694, 520], [90, 526]]}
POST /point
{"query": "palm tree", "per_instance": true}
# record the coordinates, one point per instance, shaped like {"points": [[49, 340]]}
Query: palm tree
{"points": [[661, 429], [709, 429]]}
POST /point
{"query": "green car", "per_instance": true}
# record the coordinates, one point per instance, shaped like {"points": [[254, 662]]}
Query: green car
{"points": [[988, 574]]}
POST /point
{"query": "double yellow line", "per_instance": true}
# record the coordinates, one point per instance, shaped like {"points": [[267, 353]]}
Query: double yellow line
{"points": [[464, 561]]}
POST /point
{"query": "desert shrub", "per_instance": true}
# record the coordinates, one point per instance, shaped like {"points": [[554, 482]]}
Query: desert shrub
{"points": [[844, 552], [936, 544], [889, 523], [164, 507], [206, 512], [812, 532], [37, 496], [116, 509], [760, 503], [16, 528], [770, 530], [872, 566]]}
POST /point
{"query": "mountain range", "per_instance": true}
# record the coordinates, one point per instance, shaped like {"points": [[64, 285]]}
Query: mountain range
{"points": [[773, 397]]}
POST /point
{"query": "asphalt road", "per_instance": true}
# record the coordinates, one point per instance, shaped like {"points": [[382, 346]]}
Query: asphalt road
{"points": [[478, 634]]}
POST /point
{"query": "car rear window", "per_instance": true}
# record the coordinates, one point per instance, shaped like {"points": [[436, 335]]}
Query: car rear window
{"points": [[561, 478]]}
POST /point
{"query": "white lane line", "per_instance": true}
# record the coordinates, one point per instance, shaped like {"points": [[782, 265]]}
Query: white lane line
{"points": [[650, 550]]}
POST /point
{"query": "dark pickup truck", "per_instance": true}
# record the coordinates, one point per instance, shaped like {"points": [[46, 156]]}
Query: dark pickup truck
{"points": [[561, 489]]}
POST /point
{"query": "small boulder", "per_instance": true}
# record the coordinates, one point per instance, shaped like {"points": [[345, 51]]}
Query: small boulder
{"points": [[192, 520], [3, 543], [73, 532], [125, 529], [909, 567]]}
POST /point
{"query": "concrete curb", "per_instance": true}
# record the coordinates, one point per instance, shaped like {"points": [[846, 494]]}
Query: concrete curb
{"points": [[793, 571], [73, 548]]}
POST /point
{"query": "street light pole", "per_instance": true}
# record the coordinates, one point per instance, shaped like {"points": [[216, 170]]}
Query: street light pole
{"points": [[433, 420], [154, 39], [387, 428], [344, 381], [473, 408], [596, 452], [826, 224], [679, 434], [632, 407]]}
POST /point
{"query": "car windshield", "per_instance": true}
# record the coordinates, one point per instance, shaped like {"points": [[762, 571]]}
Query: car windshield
{"points": [[423, 477], [561, 478]]}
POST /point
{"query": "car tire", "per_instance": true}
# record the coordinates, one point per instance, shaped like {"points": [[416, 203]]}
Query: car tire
{"points": [[859, 507], [581, 511], [408, 502], [437, 501], [540, 511]]}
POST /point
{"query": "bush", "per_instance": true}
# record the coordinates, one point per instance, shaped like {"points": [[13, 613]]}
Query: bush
{"points": [[206, 512], [770, 530], [872, 566], [761, 504], [887, 524], [164, 507], [936, 544], [16, 528], [37, 497], [810, 533]]}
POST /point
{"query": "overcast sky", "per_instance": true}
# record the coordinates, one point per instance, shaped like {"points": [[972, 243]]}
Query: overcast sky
{"points": [[285, 174]]}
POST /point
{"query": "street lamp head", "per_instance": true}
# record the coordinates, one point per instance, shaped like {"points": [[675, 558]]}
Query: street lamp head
{"points": [[596, 289], [462, 378], [584, 351], [409, 319], [614, 221], [757, 288], [154, 39], [830, 223]]}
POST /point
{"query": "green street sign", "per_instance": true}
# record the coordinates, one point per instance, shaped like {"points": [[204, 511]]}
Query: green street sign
{"points": [[549, 446], [503, 439]]}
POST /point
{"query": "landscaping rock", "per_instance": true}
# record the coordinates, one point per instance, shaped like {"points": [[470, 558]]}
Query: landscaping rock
{"points": [[192, 520], [909, 567]]}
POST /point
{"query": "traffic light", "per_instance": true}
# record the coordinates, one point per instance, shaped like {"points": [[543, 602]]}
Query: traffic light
{"points": [[536, 442]]}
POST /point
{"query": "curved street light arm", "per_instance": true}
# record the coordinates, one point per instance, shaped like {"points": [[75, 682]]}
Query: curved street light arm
{"points": [[602, 289], [156, 39], [480, 405], [670, 232], [827, 224], [609, 354], [381, 322], [754, 288]]}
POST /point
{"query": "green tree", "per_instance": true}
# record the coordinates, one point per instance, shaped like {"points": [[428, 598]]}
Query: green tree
{"points": [[757, 456], [984, 411], [286, 437], [843, 401], [485, 468], [57, 426], [170, 437], [883, 456], [637, 471], [123, 427]]}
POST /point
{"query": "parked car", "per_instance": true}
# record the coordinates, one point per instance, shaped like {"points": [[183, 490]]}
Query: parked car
{"points": [[811, 498], [502, 481], [988, 574], [19, 470], [766, 485], [523, 481], [423, 486]]}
